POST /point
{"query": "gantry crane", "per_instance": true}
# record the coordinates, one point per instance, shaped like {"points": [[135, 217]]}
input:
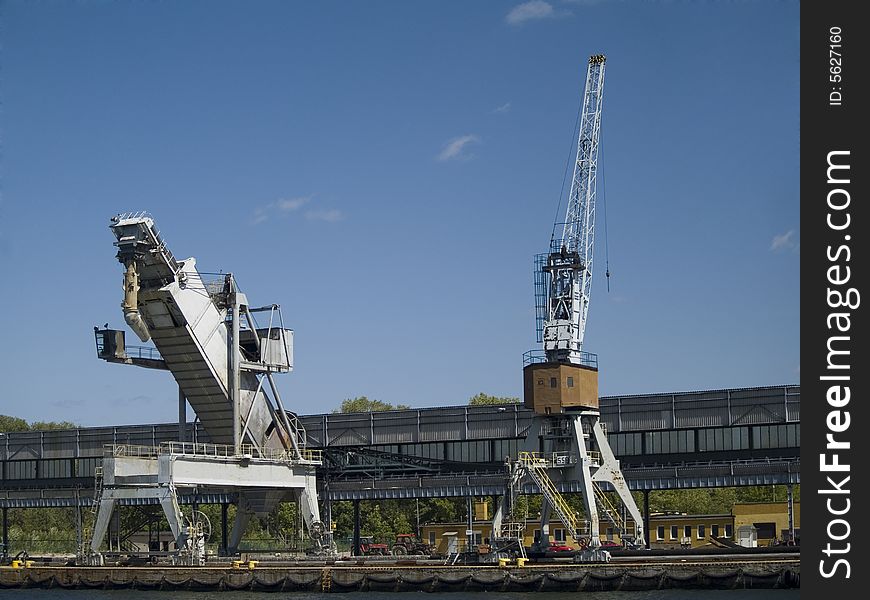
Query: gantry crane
{"points": [[223, 361], [561, 383]]}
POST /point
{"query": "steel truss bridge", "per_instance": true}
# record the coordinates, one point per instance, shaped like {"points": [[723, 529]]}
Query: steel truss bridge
{"points": [[713, 438]]}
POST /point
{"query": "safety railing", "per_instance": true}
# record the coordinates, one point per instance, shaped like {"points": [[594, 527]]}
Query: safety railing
{"points": [[625, 527], [549, 459], [511, 530], [130, 450], [587, 359], [247, 451], [536, 465], [146, 352]]}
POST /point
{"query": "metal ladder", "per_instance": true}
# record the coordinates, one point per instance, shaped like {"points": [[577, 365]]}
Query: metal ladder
{"points": [[536, 467], [93, 509]]}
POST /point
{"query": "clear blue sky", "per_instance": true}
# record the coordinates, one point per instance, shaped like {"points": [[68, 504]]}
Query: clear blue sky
{"points": [[386, 172]]}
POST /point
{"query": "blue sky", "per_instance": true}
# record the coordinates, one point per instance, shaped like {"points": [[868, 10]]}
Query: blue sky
{"points": [[386, 172]]}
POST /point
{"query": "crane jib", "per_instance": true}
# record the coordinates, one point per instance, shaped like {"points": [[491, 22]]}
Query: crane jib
{"points": [[565, 277]]}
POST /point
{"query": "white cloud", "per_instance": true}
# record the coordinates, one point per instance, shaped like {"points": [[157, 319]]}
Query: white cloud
{"points": [[454, 149], [503, 108], [280, 207], [784, 241], [330, 215], [291, 204], [529, 11]]}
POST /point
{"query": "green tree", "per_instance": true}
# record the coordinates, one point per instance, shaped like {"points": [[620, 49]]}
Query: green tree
{"points": [[11, 424], [482, 399], [49, 425], [364, 404]]}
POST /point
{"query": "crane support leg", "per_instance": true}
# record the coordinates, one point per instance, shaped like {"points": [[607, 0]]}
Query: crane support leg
{"points": [[546, 512], [174, 516], [498, 515], [240, 524], [307, 500], [610, 472], [101, 523], [583, 468]]}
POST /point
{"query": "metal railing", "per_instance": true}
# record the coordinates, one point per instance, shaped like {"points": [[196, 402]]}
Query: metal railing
{"points": [[143, 352], [147, 352], [536, 466], [625, 527], [130, 450], [587, 359], [196, 449], [247, 451]]}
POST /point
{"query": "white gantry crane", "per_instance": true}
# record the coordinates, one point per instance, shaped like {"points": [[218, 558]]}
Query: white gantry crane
{"points": [[561, 383], [223, 361]]}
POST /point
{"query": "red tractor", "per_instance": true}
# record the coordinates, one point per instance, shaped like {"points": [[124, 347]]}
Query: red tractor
{"points": [[368, 547], [408, 543]]}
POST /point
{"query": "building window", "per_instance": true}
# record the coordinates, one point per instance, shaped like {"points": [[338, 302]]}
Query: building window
{"points": [[729, 530], [540, 382], [687, 531], [714, 530], [536, 535], [559, 535], [570, 382], [660, 532], [702, 532], [554, 382], [431, 538], [673, 532]]}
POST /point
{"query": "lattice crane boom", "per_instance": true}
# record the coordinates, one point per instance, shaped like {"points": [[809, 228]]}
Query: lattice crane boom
{"points": [[567, 270]]}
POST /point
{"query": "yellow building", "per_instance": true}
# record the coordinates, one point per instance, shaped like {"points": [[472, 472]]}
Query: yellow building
{"points": [[688, 531], [674, 530], [770, 520], [452, 537]]}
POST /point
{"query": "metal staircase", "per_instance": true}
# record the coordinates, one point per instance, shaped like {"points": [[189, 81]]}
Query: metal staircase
{"points": [[536, 466], [627, 528], [93, 509]]}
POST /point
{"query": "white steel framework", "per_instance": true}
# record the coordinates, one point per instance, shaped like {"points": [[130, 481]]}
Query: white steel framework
{"points": [[563, 283], [224, 363], [567, 271]]}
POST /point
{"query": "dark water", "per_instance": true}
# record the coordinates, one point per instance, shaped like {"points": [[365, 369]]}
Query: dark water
{"points": [[58, 594]]}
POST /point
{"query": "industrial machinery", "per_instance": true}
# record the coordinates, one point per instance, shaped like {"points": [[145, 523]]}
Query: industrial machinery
{"points": [[368, 546], [561, 383], [206, 334], [408, 543]]}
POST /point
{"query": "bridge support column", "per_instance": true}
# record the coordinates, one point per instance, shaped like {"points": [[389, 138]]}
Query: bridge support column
{"points": [[790, 489], [5, 538], [224, 512], [182, 415], [355, 550], [646, 517], [469, 525]]}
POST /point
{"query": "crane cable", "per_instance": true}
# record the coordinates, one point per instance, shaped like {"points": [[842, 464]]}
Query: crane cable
{"points": [[572, 151], [604, 204]]}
